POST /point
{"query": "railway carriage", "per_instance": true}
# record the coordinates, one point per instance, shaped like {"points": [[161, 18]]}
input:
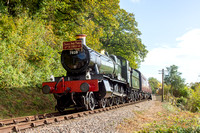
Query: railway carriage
{"points": [[95, 79]]}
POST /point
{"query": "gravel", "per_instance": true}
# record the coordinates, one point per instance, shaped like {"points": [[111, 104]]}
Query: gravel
{"points": [[104, 122]]}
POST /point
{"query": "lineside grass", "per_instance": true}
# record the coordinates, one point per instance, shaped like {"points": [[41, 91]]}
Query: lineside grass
{"points": [[16, 102], [168, 119]]}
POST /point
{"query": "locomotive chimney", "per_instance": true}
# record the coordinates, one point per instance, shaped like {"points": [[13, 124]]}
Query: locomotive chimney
{"points": [[81, 37]]}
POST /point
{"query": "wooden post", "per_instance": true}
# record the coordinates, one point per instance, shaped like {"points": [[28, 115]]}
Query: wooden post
{"points": [[162, 85]]}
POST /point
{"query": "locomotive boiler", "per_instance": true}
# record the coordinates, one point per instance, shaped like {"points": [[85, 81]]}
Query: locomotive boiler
{"points": [[87, 60], [95, 79]]}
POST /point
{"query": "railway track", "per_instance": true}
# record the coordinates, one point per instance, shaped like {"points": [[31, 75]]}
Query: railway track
{"points": [[21, 123]]}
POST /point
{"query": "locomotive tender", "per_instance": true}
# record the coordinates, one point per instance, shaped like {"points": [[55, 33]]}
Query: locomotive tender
{"points": [[95, 79]]}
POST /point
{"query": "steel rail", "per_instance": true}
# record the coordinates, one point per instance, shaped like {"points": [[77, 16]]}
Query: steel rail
{"points": [[21, 123]]}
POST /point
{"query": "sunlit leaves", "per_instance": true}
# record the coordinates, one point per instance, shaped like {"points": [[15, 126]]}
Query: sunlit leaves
{"points": [[194, 100], [27, 55], [32, 32], [174, 79], [123, 39], [154, 83]]}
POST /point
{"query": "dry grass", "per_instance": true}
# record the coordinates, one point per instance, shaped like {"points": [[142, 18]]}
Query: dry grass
{"points": [[160, 117]]}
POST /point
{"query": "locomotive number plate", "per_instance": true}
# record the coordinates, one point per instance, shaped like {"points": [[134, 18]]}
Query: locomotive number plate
{"points": [[73, 45], [73, 52]]}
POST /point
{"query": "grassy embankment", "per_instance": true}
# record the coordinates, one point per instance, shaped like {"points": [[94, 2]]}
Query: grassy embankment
{"points": [[24, 101], [169, 119]]}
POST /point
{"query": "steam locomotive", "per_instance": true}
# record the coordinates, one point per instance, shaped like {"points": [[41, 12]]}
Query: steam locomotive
{"points": [[95, 79]]}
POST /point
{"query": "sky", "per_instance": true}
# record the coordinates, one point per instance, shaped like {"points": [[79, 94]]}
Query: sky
{"points": [[171, 33]]}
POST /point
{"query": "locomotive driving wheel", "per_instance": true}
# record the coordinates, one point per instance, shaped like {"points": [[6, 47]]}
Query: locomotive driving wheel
{"points": [[91, 101], [110, 102], [123, 100], [102, 103], [117, 100]]}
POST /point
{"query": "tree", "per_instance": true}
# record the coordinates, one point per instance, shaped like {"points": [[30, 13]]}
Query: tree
{"points": [[123, 39], [154, 83], [68, 17], [71, 17], [18, 7], [32, 32], [105, 24], [195, 85], [174, 80]]}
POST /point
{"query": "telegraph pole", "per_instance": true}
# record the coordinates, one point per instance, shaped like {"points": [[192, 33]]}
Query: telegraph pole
{"points": [[163, 85], [162, 72]]}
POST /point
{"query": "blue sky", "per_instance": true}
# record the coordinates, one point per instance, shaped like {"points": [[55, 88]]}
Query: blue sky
{"points": [[171, 31]]}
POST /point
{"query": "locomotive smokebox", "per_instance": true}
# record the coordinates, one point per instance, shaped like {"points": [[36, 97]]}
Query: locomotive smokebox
{"points": [[81, 37], [76, 59]]}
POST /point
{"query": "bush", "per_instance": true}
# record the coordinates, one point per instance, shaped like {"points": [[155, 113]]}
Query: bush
{"points": [[194, 101], [28, 52], [182, 100], [183, 91]]}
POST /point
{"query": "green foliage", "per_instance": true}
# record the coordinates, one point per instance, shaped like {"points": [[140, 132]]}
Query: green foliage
{"points": [[167, 89], [123, 39], [18, 7], [195, 86], [27, 57], [32, 32], [189, 98], [74, 17], [154, 83], [174, 80], [181, 101], [194, 101], [184, 92]]}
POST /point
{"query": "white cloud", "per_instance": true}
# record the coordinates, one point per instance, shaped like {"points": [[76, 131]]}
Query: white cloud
{"points": [[135, 1], [186, 55]]}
